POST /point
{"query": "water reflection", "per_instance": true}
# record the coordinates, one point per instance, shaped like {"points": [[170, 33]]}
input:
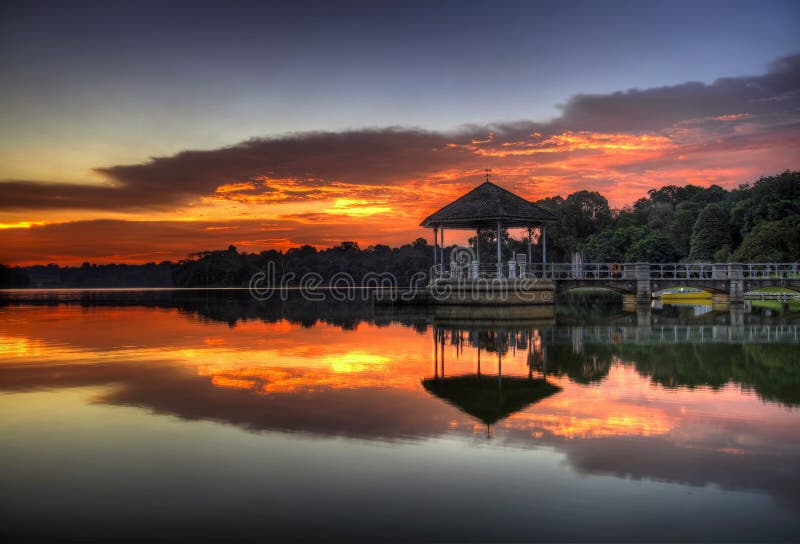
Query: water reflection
{"points": [[661, 394], [488, 398]]}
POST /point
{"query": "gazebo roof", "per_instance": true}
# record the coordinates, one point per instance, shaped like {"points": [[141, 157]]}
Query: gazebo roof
{"points": [[483, 399], [486, 205]]}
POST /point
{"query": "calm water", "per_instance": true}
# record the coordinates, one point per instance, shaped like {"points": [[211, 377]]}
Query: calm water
{"points": [[204, 415]]}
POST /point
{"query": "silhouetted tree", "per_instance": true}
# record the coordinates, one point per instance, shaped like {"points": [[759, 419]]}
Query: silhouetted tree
{"points": [[13, 277]]}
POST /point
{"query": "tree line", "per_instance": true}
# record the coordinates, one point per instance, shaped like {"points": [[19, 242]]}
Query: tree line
{"points": [[757, 222]]}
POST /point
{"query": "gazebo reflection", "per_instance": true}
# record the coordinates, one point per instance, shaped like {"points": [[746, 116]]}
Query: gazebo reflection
{"points": [[484, 392]]}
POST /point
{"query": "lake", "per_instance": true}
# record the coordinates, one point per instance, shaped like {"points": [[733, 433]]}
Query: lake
{"points": [[206, 415]]}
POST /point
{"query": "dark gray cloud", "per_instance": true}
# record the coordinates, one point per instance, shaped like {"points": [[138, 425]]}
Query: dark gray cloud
{"points": [[371, 156], [42, 195], [778, 90]]}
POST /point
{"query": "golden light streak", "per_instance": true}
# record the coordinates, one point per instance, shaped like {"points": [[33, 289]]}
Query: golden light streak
{"points": [[18, 347], [21, 224], [224, 381], [235, 187], [571, 142], [356, 208], [591, 426]]}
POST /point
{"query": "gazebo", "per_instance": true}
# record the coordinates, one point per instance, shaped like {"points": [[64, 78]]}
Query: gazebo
{"points": [[488, 206]]}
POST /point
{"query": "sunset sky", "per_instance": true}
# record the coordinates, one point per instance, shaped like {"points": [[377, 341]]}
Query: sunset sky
{"points": [[143, 131]]}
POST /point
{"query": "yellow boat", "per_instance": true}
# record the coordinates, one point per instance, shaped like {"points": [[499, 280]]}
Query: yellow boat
{"points": [[689, 298]]}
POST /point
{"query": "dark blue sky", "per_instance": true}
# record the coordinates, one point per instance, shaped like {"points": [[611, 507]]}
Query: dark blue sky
{"points": [[160, 76]]}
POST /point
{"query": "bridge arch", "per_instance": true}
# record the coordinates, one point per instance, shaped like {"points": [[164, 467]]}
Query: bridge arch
{"points": [[593, 289], [622, 287]]}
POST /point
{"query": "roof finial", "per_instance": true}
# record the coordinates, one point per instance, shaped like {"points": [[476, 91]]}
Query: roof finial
{"points": [[488, 173]]}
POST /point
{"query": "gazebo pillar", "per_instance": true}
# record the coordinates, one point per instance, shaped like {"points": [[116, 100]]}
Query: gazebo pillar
{"points": [[442, 250], [499, 256], [499, 370], [544, 251], [478, 245], [530, 241], [435, 248], [435, 352], [444, 338]]}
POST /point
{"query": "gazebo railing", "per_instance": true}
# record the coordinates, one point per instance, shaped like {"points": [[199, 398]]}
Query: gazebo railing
{"points": [[470, 271]]}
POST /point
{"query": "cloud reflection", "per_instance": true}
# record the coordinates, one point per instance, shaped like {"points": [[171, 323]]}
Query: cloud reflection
{"points": [[365, 384]]}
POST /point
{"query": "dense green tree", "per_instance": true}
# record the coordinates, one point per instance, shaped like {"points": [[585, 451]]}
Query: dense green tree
{"points": [[610, 246], [660, 216], [674, 195], [580, 215], [708, 195], [680, 229], [711, 231], [769, 199], [592, 210], [625, 217], [773, 241], [673, 211], [654, 248], [641, 209], [723, 254]]}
